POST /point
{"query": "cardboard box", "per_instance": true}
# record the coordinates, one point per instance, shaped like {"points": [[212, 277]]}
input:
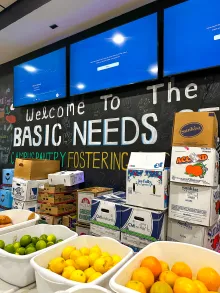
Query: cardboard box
{"points": [[70, 221], [68, 178], [147, 181], [141, 227], [194, 204], [82, 229], [6, 199], [56, 198], [33, 169], [198, 129], [7, 176], [207, 237], [26, 190], [85, 197], [106, 215], [50, 220], [194, 165], [57, 210], [25, 205], [54, 188]]}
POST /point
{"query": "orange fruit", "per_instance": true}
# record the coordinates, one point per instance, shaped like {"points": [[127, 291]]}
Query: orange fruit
{"points": [[143, 275], [168, 277], [202, 288], [212, 292], [153, 264], [136, 286], [210, 278], [181, 269], [185, 285], [161, 287], [164, 266]]}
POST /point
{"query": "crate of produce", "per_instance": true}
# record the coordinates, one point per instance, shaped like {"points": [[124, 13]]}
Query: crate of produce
{"points": [[192, 259], [12, 220], [89, 289], [14, 263], [50, 281]]}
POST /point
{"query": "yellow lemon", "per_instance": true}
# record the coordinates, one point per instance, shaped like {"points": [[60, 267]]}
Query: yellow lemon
{"points": [[105, 254], [70, 262], [96, 249], [94, 277], [101, 265], [82, 263], [89, 272], [164, 266], [78, 276], [93, 257], [136, 286], [109, 261], [67, 272], [84, 250], [75, 254], [116, 259], [57, 265], [67, 251], [201, 287]]}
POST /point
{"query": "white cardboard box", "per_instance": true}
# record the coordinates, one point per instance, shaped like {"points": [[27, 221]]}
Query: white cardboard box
{"points": [[147, 181], [82, 229], [25, 205], [194, 165], [207, 237], [68, 178], [194, 203], [141, 227], [106, 215], [26, 190]]}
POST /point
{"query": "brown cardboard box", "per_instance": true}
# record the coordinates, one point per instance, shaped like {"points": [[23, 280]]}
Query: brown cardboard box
{"points": [[55, 198], [54, 188], [70, 221], [51, 220], [57, 210], [198, 129], [33, 169]]}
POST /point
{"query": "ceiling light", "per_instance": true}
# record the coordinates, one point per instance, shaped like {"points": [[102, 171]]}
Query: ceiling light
{"points": [[153, 69], [30, 68], [118, 39], [80, 86], [53, 26], [30, 96]]}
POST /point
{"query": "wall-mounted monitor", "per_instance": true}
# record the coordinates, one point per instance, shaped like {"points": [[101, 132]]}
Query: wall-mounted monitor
{"points": [[41, 79], [191, 36], [124, 55]]}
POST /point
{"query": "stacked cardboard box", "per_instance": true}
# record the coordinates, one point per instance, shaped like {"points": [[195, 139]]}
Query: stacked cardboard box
{"points": [[194, 191], [5, 190], [29, 177], [84, 204], [144, 216]]}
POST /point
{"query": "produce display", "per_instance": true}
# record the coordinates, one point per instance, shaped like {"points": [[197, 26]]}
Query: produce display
{"points": [[28, 244], [155, 276], [83, 265]]}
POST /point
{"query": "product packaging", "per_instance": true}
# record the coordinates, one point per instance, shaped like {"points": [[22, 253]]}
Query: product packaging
{"points": [[50, 220], [70, 221], [82, 229], [5, 199], [25, 205], [57, 210], [68, 178], [7, 176]]}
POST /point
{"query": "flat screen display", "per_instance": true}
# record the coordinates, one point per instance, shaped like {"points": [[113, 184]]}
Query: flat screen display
{"points": [[191, 36], [41, 79], [123, 55]]}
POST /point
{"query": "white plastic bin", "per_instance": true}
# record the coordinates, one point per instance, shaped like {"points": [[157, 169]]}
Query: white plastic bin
{"points": [[196, 257], [19, 220], [50, 282], [89, 289], [16, 269]]}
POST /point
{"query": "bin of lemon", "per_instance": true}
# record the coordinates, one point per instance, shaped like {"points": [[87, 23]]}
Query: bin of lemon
{"points": [[83, 265], [155, 276], [28, 244]]}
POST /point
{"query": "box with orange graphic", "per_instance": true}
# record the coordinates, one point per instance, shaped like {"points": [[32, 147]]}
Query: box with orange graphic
{"points": [[195, 165]]}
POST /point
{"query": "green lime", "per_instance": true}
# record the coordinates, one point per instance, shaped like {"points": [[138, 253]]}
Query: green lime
{"points": [[43, 237], [59, 240], [30, 245], [50, 243], [10, 248], [17, 253], [17, 245], [20, 251], [2, 244], [51, 238], [41, 244], [30, 250], [34, 240], [25, 240]]}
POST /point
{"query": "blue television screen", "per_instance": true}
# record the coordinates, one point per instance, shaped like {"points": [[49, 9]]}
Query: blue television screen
{"points": [[41, 79], [123, 55], [191, 36]]}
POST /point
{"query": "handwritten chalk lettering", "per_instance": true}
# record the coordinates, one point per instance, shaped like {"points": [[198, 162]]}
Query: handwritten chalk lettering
{"points": [[105, 98], [91, 131], [108, 130], [117, 104], [153, 137], [98, 160], [123, 130], [154, 88]]}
